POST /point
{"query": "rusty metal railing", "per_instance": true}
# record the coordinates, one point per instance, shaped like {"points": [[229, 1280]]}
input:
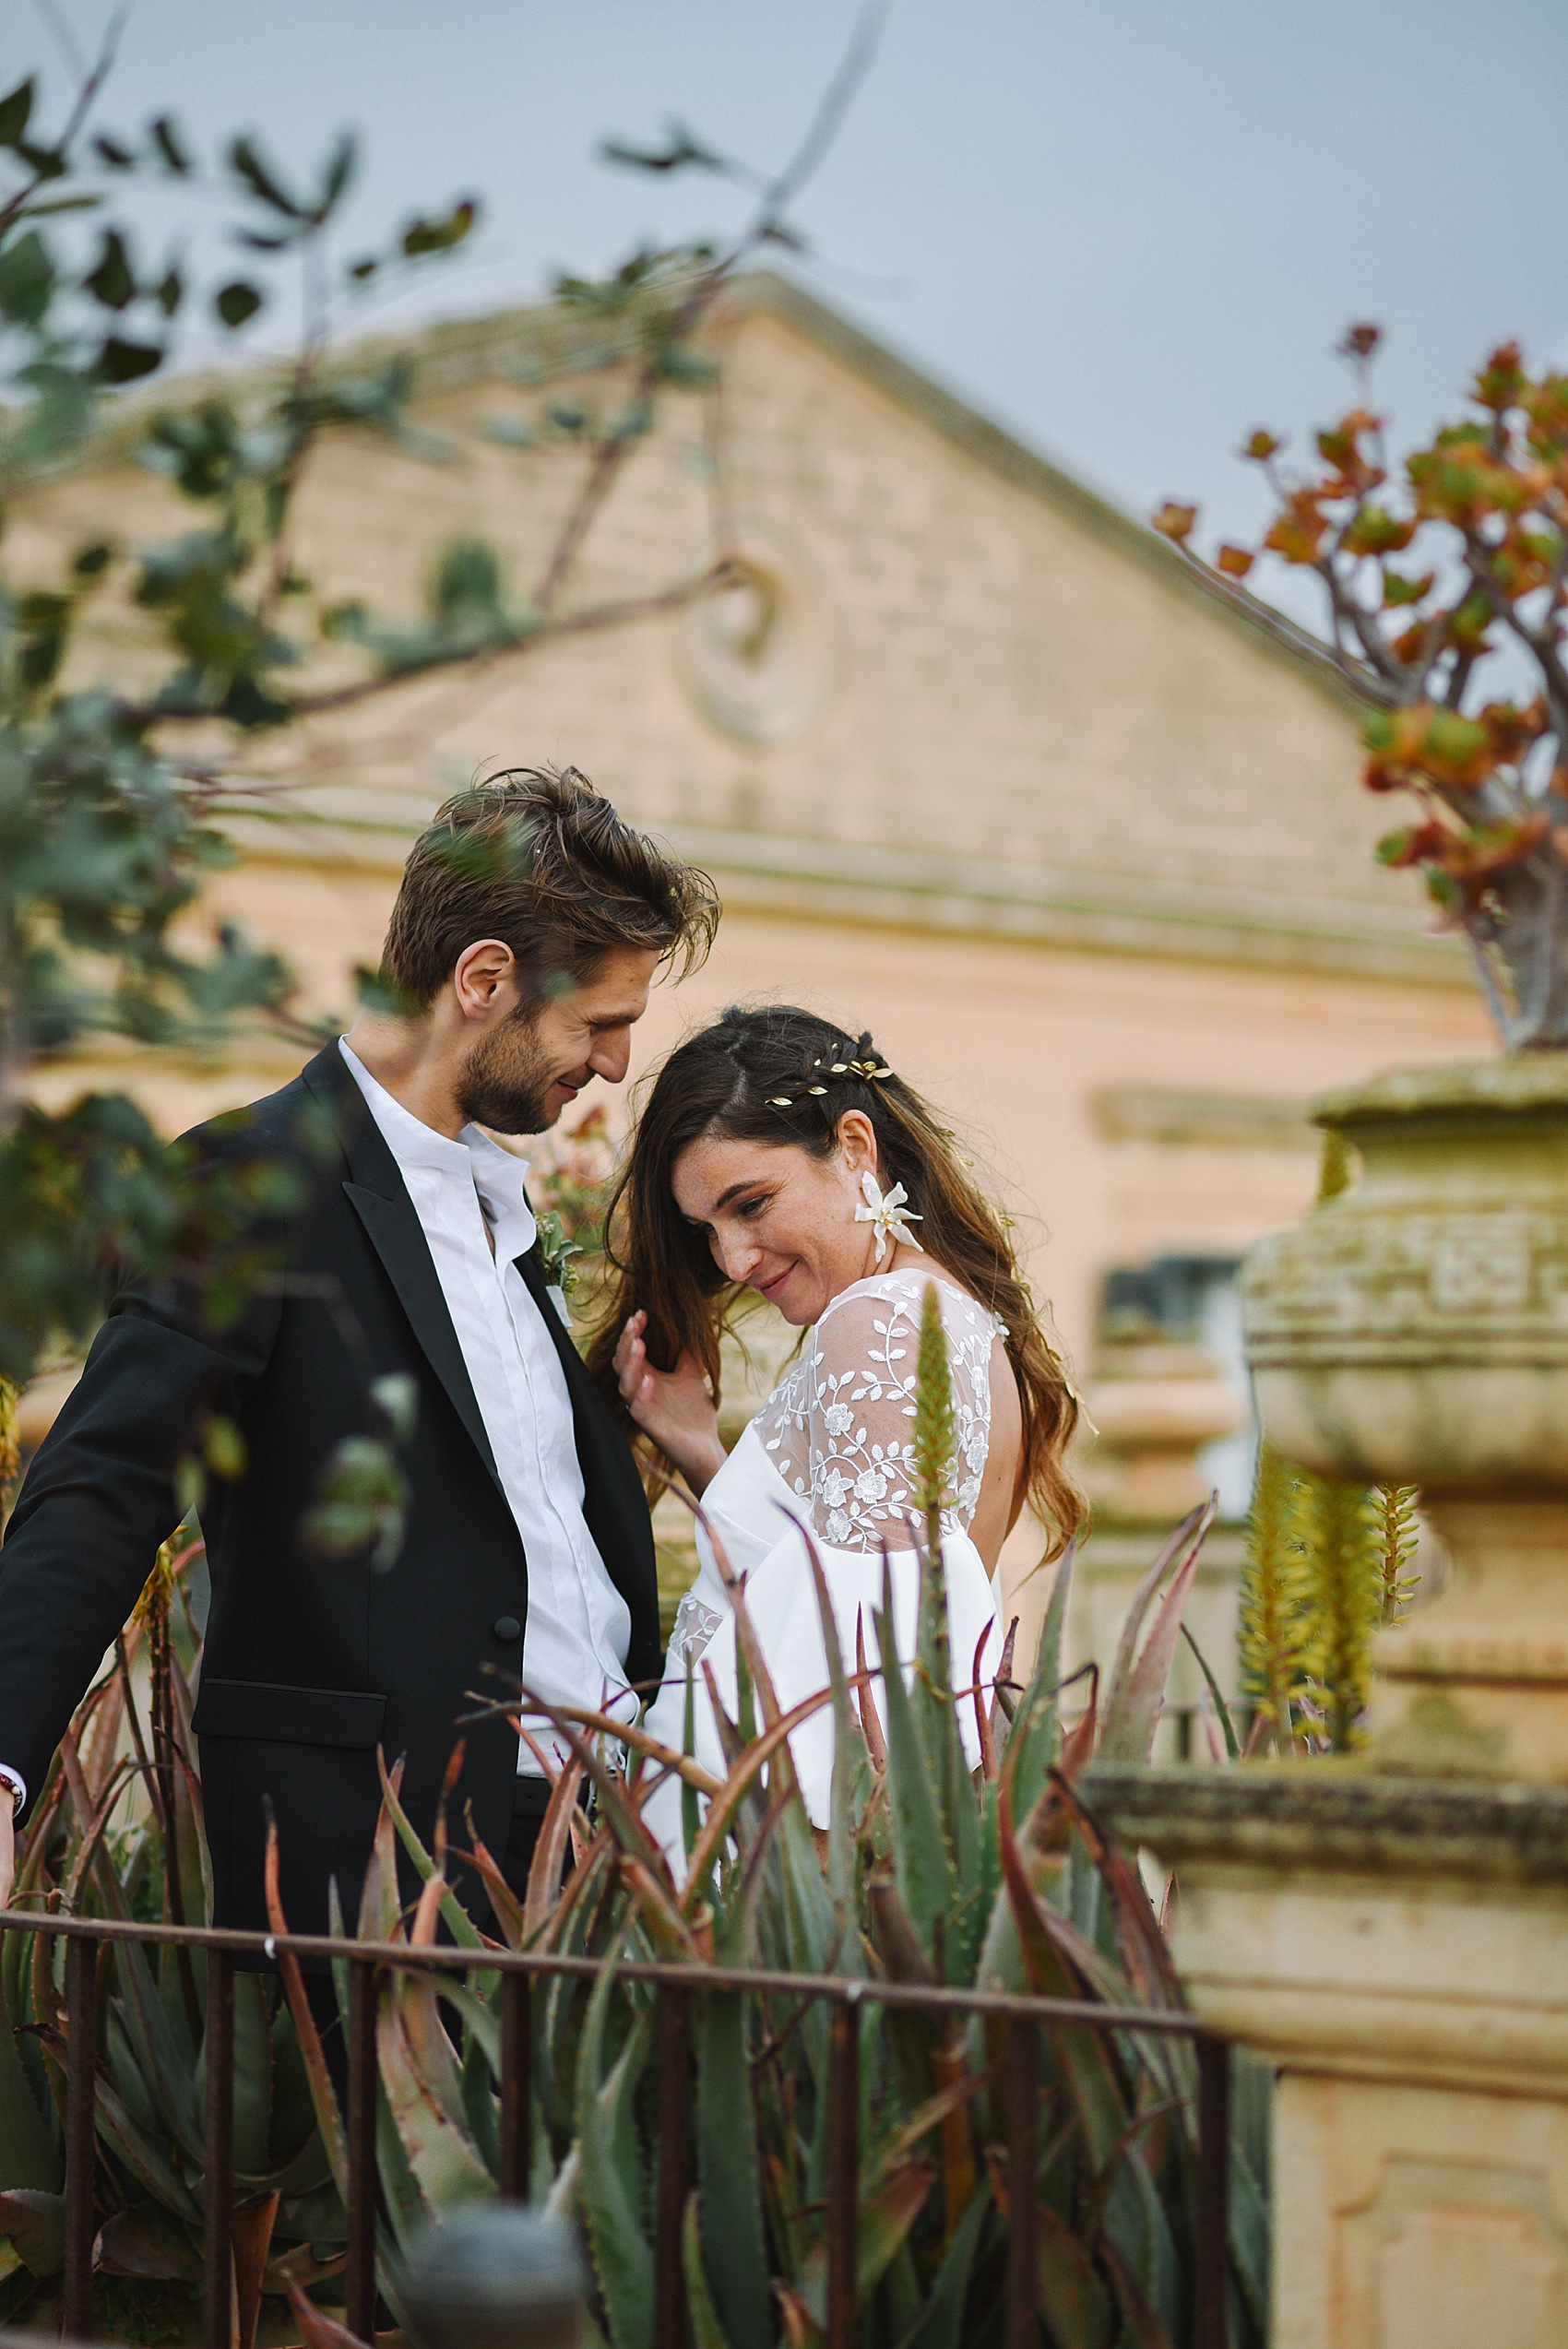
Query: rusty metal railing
{"points": [[1024, 2016]]}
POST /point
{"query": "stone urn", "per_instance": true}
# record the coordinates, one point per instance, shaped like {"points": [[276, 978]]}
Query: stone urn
{"points": [[1414, 1330]]}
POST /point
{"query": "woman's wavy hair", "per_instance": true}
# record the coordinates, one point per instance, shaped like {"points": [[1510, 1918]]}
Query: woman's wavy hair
{"points": [[779, 1075]]}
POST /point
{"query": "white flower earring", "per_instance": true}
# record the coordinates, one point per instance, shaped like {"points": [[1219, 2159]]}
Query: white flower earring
{"points": [[890, 1213]]}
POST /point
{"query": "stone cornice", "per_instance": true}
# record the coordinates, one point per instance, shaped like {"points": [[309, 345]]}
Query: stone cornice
{"points": [[886, 887]]}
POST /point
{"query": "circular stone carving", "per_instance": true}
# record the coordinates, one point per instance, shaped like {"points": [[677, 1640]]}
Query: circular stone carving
{"points": [[758, 656]]}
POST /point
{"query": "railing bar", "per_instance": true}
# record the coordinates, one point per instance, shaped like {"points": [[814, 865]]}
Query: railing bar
{"points": [[674, 2169], [360, 2277], [81, 2149], [1023, 2162], [839, 1988], [1211, 2255], [218, 2154], [843, 2173], [517, 2054]]}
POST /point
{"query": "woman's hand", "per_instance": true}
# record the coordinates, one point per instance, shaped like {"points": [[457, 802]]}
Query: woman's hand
{"points": [[674, 1408]]}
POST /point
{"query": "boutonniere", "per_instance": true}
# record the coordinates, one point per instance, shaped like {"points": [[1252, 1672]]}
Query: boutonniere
{"points": [[891, 1214], [554, 1252]]}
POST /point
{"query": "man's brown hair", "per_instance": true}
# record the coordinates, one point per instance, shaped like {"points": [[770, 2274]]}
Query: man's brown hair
{"points": [[539, 860]]}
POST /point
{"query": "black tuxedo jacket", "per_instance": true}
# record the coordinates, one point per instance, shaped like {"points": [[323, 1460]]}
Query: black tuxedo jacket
{"points": [[312, 1662]]}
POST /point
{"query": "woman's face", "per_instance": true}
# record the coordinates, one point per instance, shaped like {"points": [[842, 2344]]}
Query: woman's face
{"points": [[778, 1221]]}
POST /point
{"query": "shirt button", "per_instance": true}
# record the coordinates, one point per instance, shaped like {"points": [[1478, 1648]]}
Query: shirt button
{"points": [[507, 1627]]}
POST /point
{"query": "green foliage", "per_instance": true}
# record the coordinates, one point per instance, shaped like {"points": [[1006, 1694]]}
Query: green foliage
{"points": [[1398, 1537], [116, 1832], [935, 1435], [1325, 1569], [1272, 1600]]}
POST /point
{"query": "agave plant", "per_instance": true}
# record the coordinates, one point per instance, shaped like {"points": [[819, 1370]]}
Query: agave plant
{"points": [[926, 1873], [117, 1834]]}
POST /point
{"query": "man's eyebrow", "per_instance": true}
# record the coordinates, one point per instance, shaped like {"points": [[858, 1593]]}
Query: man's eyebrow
{"points": [[627, 1018]]}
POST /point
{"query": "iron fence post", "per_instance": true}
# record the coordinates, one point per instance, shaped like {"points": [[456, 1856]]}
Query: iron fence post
{"points": [[81, 2150], [517, 2054], [674, 2167], [359, 2276], [218, 2153], [1023, 2161], [1211, 2255], [843, 2170]]}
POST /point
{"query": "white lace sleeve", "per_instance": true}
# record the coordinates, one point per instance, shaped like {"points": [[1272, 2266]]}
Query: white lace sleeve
{"points": [[839, 1427]]}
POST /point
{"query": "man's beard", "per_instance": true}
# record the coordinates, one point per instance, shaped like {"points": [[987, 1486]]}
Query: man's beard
{"points": [[506, 1079]]}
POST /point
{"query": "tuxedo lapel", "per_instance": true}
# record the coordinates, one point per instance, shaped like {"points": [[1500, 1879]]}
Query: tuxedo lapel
{"points": [[379, 1196]]}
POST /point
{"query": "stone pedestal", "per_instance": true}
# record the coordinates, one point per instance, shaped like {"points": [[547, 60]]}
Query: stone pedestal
{"points": [[1392, 1929], [1400, 1951]]}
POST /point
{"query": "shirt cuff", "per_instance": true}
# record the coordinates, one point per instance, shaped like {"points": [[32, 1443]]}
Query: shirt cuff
{"points": [[18, 1786]]}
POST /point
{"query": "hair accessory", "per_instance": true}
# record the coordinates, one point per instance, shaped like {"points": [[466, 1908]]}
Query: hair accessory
{"points": [[891, 1214], [868, 1067]]}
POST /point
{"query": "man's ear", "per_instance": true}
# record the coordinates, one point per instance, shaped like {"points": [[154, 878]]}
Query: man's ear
{"points": [[484, 979], [857, 1140]]}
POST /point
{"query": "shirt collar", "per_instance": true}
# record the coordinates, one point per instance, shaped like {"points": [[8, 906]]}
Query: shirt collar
{"points": [[471, 1157]]}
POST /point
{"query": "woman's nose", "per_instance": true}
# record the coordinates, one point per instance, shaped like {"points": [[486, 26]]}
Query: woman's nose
{"points": [[737, 1258]]}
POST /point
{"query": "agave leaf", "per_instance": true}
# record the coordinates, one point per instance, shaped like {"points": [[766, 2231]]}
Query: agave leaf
{"points": [[317, 2330], [1072, 2300], [27, 2155], [165, 2069], [613, 2188], [1228, 1726], [480, 2113], [549, 1852], [886, 2218], [446, 2166], [35, 2224], [737, 1787], [733, 2245], [151, 2241], [1032, 1739], [942, 2324], [707, 2331], [922, 1865], [1135, 1693], [141, 2156], [454, 1915], [1142, 2328], [850, 1755], [1086, 2062], [505, 1907], [253, 2079]]}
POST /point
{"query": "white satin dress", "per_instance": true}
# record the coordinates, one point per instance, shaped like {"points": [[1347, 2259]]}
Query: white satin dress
{"points": [[830, 1449]]}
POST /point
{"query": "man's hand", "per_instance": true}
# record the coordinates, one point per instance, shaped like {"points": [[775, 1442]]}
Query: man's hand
{"points": [[8, 1842]]}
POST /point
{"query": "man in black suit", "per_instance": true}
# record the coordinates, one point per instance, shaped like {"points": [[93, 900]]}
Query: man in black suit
{"points": [[529, 926]]}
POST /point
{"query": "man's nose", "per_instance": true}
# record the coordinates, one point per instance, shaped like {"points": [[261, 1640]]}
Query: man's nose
{"points": [[611, 1055]]}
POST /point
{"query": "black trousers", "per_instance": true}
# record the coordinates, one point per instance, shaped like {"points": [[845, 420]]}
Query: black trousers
{"points": [[530, 1799]]}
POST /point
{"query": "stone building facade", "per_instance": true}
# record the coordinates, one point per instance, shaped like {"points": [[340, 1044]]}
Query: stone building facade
{"points": [[976, 764]]}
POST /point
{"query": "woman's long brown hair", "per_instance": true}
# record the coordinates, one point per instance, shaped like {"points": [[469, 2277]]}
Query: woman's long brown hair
{"points": [[778, 1075]]}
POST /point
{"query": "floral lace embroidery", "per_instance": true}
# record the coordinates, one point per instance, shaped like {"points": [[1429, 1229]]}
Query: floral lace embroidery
{"points": [[694, 1625], [837, 1427]]}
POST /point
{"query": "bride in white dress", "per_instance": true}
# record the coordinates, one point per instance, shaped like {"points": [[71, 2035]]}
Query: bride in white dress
{"points": [[774, 1156]]}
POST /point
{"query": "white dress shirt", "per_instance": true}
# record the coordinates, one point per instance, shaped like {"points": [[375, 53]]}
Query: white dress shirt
{"points": [[579, 1626]]}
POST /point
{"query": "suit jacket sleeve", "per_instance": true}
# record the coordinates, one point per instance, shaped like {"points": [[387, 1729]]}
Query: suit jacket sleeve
{"points": [[99, 1497]]}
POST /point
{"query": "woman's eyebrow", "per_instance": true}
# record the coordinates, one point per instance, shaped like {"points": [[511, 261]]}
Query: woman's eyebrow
{"points": [[733, 1192]]}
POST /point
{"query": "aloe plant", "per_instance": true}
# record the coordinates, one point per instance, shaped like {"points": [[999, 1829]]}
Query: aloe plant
{"points": [[117, 1834], [925, 1873]]}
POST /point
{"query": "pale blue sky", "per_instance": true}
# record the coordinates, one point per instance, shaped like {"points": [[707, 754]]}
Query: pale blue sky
{"points": [[1128, 230]]}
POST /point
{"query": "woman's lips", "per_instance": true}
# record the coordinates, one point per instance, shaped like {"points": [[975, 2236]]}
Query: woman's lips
{"points": [[766, 1287]]}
